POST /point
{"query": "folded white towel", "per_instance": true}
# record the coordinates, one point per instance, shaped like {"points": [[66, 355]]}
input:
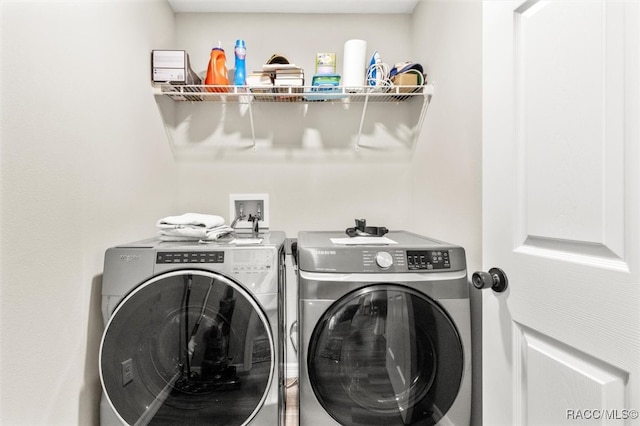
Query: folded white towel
{"points": [[177, 238], [194, 234], [195, 220]]}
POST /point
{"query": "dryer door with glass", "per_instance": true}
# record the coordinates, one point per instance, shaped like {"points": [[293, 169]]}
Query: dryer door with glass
{"points": [[187, 347], [385, 355]]}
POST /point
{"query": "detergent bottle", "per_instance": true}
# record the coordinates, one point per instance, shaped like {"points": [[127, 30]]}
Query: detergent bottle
{"points": [[217, 71], [240, 74]]}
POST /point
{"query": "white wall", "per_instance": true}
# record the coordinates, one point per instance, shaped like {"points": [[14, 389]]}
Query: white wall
{"points": [[309, 189], [447, 167], [86, 164]]}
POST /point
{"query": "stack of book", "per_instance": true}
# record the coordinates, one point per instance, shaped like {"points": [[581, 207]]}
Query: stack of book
{"points": [[258, 81], [277, 75], [288, 79], [282, 79], [287, 75]]}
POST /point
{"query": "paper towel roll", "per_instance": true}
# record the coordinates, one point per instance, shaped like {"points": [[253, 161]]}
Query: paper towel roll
{"points": [[354, 63]]}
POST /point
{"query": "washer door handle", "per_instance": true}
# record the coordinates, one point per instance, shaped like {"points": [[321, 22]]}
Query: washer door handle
{"points": [[495, 279]]}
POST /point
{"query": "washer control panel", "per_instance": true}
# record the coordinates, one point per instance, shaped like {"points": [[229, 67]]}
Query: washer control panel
{"points": [[190, 257], [252, 261], [428, 259]]}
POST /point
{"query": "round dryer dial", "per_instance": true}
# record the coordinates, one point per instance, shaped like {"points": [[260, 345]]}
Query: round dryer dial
{"points": [[384, 259]]}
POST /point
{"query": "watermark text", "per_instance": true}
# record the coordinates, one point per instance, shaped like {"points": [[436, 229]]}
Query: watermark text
{"points": [[601, 414]]}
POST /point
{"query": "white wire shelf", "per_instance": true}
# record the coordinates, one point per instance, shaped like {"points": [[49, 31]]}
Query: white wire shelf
{"points": [[253, 96], [275, 94]]}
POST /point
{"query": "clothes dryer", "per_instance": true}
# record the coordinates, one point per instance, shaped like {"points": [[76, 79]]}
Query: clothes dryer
{"points": [[385, 336], [193, 333]]}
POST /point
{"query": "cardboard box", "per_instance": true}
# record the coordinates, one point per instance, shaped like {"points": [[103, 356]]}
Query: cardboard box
{"points": [[406, 79], [325, 63]]}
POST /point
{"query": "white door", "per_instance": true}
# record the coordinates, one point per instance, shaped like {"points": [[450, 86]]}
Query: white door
{"points": [[561, 212]]}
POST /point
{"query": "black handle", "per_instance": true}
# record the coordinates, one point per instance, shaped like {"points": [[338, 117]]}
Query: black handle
{"points": [[495, 279]]}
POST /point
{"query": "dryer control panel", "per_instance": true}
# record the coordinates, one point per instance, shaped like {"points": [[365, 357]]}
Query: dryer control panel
{"points": [[405, 260], [428, 259], [374, 260]]}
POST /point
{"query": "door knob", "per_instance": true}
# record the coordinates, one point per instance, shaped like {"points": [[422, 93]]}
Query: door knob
{"points": [[495, 279]]}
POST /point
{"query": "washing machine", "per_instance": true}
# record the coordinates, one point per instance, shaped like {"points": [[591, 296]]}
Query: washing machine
{"points": [[193, 333], [384, 330]]}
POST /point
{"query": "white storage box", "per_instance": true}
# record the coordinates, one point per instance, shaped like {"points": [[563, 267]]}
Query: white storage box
{"points": [[169, 66]]}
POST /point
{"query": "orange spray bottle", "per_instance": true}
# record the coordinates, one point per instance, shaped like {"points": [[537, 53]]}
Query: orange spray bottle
{"points": [[217, 71]]}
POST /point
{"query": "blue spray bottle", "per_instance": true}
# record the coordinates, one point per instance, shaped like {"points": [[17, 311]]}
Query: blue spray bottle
{"points": [[240, 75]]}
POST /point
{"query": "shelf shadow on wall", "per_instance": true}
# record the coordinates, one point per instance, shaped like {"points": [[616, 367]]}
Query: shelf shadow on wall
{"points": [[203, 131]]}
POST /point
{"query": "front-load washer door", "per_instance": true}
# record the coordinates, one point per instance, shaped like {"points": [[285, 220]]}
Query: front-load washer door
{"points": [[385, 355], [187, 347]]}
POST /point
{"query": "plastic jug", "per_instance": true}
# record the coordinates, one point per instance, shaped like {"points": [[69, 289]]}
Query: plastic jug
{"points": [[240, 74], [217, 71]]}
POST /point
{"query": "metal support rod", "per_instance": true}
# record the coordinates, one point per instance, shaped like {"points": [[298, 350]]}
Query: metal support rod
{"points": [[423, 112], [364, 113], [253, 131]]}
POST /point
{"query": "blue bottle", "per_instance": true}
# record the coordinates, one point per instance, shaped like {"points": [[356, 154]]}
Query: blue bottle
{"points": [[240, 74]]}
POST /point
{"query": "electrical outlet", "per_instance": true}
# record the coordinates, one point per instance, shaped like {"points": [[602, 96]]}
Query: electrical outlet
{"points": [[127, 371], [244, 206]]}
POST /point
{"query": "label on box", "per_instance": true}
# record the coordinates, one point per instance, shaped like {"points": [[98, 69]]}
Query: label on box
{"points": [[325, 63], [168, 74], [169, 65]]}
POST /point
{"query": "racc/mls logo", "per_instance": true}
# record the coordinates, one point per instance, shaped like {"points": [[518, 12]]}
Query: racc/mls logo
{"points": [[129, 257], [326, 252]]}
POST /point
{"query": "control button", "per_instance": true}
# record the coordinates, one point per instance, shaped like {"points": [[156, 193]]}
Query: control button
{"points": [[384, 259]]}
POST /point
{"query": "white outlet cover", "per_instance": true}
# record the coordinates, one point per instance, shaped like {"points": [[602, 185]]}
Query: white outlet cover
{"points": [[246, 224]]}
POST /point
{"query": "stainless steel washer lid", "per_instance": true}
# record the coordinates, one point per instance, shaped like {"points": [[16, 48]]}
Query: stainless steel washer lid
{"points": [[407, 252], [269, 238]]}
